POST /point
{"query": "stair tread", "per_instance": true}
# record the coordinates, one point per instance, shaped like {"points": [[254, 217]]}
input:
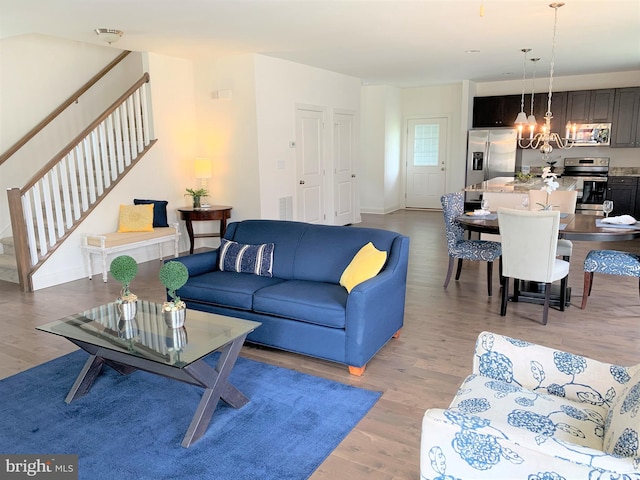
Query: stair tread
{"points": [[8, 261]]}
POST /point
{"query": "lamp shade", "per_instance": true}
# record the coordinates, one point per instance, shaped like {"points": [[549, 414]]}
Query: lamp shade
{"points": [[521, 119], [202, 168]]}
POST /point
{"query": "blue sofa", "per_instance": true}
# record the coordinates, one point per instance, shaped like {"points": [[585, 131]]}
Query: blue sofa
{"points": [[302, 306]]}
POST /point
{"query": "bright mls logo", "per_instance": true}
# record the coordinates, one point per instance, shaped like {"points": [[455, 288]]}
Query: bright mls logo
{"points": [[50, 467]]}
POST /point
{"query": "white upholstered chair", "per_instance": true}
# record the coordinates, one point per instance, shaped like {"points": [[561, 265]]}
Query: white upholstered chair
{"points": [[529, 248], [563, 201], [497, 200]]}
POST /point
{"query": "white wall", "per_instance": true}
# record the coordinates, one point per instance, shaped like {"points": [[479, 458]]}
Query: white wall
{"points": [[227, 132], [371, 171], [280, 86], [248, 135], [162, 174], [441, 101]]}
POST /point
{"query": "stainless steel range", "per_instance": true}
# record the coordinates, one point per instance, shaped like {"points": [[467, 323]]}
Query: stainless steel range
{"points": [[591, 176]]}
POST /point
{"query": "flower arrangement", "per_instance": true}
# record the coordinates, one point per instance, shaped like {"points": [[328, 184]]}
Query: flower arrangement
{"points": [[550, 185]]}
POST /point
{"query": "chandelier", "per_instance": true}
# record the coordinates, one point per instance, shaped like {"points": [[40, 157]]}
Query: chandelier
{"points": [[542, 140]]}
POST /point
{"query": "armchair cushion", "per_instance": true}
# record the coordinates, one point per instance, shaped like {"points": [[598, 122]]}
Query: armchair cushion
{"points": [[623, 422], [530, 411]]}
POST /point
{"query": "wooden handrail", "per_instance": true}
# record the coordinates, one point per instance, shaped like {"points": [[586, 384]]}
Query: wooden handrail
{"points": [[45, 169], [73, 98]]}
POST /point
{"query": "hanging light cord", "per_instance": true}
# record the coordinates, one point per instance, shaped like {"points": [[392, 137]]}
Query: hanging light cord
{"points": [[533, 83], [524, 77], [553, 56]]}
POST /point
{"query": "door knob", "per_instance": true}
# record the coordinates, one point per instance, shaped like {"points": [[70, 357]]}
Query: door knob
{"points": [[301, 182], [353, 175]]}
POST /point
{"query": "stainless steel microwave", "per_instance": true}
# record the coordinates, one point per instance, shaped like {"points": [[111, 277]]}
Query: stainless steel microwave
{"points": [[589, 134]]}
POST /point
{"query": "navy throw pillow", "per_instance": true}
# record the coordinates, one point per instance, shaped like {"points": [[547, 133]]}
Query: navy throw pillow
{"points": [[237, 257], [159, 211]]}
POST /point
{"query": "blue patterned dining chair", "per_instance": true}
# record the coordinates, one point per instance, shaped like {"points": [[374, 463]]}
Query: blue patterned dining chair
{"points": [[461, 249], [611, 262]]}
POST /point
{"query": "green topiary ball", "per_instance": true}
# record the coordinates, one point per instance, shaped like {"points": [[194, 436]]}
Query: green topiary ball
{"points": [[173, 275], [124, 269]]}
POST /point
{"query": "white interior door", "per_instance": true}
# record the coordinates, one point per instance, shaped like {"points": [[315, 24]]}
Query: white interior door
{"points": [[310, 165], [426, 162], [344, 168]]}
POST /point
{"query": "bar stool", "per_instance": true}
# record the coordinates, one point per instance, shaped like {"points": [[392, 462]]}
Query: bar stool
{"points": [[611, 262]]}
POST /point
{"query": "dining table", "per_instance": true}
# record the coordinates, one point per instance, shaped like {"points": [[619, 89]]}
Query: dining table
{"points": [[574, 227]]}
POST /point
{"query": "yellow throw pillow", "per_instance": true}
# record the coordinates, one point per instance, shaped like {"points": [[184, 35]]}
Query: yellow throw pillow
{"points": [[365, 265], [136, 218]]}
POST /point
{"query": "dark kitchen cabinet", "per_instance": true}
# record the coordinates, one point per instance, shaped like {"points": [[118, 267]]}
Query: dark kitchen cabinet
{"points": [[626, 118], [623, 191], [496, 111], [590, 106]]}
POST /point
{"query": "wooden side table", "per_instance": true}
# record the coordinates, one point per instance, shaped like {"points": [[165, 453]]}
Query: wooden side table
{"points": [[215, 212]]}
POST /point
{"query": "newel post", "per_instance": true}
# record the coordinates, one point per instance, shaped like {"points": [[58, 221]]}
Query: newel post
{"points": [[19, 230]]}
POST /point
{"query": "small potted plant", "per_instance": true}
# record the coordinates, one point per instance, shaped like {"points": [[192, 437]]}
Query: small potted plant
{"points": [[174, 275], [124, 269], [196, 195]]}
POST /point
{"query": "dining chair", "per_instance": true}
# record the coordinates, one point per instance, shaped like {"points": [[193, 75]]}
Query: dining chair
{"points": [[611, 262], [565, 202], [497, 200], [461, 249], [529, 248]]}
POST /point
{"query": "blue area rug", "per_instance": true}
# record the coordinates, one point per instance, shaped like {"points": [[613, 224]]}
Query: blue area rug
{"points": [[132, 426]]}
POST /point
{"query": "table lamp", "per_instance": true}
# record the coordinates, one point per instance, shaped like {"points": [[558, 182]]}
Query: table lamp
{"points": [[202, 169]]}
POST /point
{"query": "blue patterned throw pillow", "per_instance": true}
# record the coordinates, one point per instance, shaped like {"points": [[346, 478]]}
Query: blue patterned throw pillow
{"points": [[237, 257]]}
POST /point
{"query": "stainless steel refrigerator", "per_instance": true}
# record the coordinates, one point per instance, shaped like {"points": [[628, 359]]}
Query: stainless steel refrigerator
{"points": [[490, 153]]}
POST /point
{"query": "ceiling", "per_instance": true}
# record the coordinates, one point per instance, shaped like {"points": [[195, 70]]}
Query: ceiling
{"points": [[391, 42]]}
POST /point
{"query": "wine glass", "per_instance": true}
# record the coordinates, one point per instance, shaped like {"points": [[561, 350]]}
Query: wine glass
{"points": [[484, 204], [607, 207], [525, 202]]}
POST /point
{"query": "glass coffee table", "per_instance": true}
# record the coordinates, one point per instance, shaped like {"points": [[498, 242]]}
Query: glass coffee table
{"points": [[146, 343]]}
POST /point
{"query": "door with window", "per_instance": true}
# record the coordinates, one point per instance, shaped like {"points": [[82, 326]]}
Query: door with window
{"points": [[426, 157]]}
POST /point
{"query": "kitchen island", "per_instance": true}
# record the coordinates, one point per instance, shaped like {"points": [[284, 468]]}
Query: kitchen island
{"points": [[511, 185]]}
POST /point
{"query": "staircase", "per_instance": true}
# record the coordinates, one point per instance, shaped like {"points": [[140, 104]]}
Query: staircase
{"points": [[66, 190]]}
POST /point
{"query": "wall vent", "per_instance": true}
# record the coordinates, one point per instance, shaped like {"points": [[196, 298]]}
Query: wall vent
{"points": [[286, 208]]}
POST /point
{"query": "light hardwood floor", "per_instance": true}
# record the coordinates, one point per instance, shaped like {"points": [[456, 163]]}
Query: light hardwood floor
{"points": [[419, 370]]}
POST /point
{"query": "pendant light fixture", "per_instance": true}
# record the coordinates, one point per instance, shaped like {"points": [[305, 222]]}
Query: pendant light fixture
{"points": [[521, 119], [531, 120], [542, 140]]}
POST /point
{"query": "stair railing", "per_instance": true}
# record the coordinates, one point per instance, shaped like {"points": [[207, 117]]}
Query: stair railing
{"points": [[63, 192], [62, 107]]}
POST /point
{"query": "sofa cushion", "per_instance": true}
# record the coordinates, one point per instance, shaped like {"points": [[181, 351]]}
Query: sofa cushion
{"points": [[325, 250], [623, 422], [225, 288], [312, 302], [242, 258], [530, 418], [365, 265], [285, 235]]}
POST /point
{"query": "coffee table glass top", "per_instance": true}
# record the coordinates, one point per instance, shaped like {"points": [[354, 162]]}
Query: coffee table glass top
{"points": [[147, 335]]}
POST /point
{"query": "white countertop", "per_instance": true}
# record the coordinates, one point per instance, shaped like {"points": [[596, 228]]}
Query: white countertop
{"points": [[511, 185]]}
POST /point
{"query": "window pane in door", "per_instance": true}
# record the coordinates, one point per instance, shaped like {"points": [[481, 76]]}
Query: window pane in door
{"points": [[425, 147]]}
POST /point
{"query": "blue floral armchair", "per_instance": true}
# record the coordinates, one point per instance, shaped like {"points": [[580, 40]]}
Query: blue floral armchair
{"points": [[531, 412]]}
